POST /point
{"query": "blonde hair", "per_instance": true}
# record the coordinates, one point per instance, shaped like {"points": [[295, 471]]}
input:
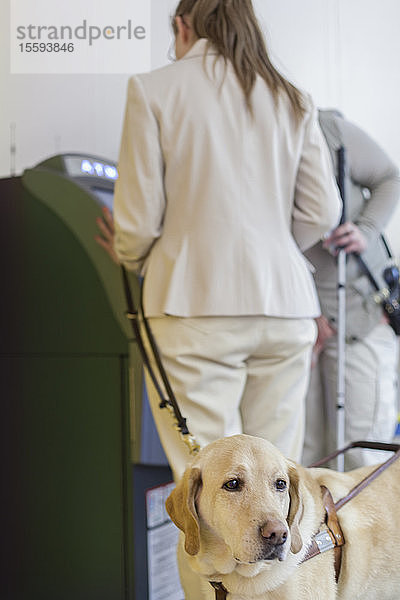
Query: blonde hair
{"points": [[232, 28]]}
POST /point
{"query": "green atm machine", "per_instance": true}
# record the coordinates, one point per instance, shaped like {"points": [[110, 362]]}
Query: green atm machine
{"points": [[79, 449]]}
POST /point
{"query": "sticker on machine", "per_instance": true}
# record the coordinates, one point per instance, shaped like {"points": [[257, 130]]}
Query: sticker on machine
{"points": [[162, 540], [91, 37]]}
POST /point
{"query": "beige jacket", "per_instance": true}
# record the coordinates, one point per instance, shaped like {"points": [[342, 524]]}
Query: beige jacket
{"points": [[214, 206]]}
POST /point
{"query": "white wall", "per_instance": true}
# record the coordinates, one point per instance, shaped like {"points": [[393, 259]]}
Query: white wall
{"points": [[61, 113], [345, 52]]}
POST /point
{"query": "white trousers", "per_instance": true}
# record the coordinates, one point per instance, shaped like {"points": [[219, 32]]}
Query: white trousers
{"points": [[371, 405], [232, 375]]}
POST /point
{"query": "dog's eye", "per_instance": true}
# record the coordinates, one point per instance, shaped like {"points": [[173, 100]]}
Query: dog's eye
{"points": [[232, 485], [280, 485]]}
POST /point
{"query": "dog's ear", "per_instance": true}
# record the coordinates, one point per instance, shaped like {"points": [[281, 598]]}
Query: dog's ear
{"points": [[295, 510], [181, 508]]}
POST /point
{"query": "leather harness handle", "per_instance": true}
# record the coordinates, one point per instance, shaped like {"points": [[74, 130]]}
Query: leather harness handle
{"points": [[367, 445], [333, 525], [378, 471], [329, 539]]}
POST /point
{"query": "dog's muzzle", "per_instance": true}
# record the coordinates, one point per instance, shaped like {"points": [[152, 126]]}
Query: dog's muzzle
{"points": [[274, 535]]}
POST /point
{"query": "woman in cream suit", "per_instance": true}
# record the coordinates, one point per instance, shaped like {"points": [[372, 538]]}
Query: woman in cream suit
{"points": [[224, 179]]}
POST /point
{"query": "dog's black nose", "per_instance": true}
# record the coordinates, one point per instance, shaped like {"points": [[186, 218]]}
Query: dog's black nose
{"points": [[275, 532]]}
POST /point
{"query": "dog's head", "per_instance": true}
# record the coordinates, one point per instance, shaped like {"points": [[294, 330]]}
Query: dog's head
{"points": [[242, 492]]}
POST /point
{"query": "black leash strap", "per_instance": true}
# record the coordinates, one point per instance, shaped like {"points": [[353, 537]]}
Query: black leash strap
{"points": [[365, 268], [132, 315], [156, 354], [341, 180], [388, 297], [366, 271], [220, 592], [167, 400]]}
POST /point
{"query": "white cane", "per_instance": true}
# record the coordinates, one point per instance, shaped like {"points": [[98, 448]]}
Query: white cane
{"points": [[341, 324]]}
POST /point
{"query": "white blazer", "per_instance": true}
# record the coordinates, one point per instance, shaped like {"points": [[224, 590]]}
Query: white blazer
{"points": [[213, 205]]}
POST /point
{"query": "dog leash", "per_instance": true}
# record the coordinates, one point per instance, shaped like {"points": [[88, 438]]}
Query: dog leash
{"points": [[220, 592], [332, 537], [167, 400]]}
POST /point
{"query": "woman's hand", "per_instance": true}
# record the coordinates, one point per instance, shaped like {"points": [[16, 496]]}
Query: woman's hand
{"points": [[347, 237], [325, 331], [106, 239]]}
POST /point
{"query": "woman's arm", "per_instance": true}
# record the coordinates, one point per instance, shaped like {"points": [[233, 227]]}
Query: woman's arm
{"points": [[139, 200]]}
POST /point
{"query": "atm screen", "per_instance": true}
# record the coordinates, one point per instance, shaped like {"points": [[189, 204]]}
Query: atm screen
{"points": [[105, 197], [77, 165], [92, 173]]}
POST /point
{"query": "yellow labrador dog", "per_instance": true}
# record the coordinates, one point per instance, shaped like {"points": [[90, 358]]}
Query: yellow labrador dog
{"points": [[249, 515]]}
